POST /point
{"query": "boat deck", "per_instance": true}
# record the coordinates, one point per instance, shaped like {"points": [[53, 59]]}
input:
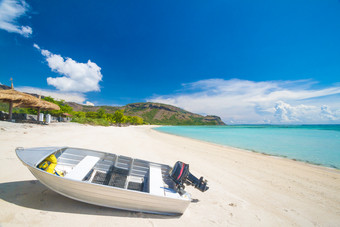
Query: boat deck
{"points": [[113, 170]]}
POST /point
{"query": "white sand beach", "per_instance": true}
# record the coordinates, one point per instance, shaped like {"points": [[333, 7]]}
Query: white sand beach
{"points": [[246, 188]]}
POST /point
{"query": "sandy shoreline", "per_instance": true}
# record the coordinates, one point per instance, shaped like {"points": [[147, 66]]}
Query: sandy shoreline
{"points": [[246, 188]]}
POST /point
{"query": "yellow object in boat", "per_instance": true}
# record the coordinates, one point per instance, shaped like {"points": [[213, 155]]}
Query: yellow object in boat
{"points": [[49, 165], [51, 159], [59, 173], [43, 165], [50, 168]]}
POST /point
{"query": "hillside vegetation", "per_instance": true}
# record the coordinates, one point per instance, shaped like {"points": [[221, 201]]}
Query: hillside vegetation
{"points": [[156, 114]]}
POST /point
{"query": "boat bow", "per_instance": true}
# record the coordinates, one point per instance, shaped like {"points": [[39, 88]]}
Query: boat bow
{"points": [[33, 156]]}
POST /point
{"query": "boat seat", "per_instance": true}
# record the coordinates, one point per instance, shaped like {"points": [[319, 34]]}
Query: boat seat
{"points": [[82, 168], [156, 185]]}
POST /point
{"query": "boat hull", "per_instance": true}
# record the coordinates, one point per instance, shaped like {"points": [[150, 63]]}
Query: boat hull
{"points": [[108, 196]]}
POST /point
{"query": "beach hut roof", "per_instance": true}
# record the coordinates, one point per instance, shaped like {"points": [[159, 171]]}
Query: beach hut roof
{"points": [[45, 105], [18, 98]]}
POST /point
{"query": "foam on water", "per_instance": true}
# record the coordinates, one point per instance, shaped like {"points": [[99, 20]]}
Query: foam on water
{"points": [[318, 144]]}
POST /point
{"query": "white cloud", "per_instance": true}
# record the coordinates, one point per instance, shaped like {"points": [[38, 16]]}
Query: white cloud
{"points": [[328, 114], [10, 12], [77, 77], [67, 96], [286, 113], [89, 103], [242, 101]]}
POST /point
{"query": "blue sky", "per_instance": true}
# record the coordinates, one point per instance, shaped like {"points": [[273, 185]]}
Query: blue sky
{"points": [[246, 61]]}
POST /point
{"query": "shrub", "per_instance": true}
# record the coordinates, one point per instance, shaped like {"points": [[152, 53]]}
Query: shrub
{"points": [[90, 121]]}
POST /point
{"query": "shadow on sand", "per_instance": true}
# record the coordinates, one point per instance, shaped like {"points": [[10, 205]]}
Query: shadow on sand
{"points": [[33, 194]]}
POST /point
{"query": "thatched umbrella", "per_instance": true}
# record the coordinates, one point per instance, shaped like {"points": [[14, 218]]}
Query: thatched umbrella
{"points": [[16, 98], [41, 105], [20, 99], [45, 105]]}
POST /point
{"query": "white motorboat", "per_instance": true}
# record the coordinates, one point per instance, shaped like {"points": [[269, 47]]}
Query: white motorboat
{"points": [[111, 180]]}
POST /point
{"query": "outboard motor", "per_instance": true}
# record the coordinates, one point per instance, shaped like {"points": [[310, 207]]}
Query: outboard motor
{"points": [[180, 174]]}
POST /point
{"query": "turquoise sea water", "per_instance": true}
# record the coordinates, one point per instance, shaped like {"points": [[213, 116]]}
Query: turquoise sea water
{"points": [[318, 144]]}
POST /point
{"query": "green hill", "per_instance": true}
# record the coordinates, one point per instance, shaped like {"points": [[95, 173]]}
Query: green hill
{"points": [[156, 113]]}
